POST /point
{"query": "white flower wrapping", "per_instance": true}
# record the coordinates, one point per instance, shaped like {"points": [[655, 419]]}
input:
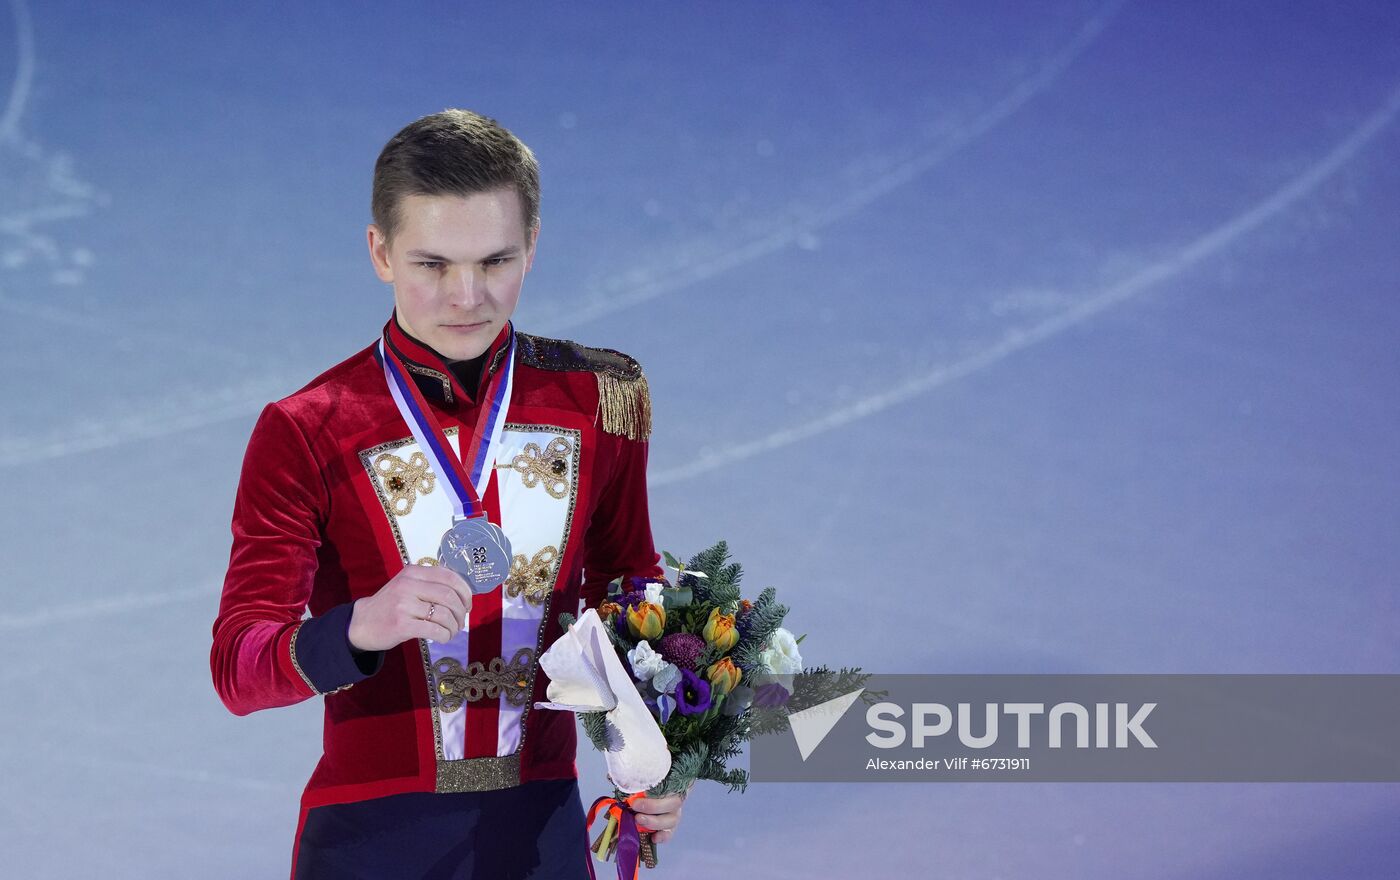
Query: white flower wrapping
{"points": [[585, 675]]}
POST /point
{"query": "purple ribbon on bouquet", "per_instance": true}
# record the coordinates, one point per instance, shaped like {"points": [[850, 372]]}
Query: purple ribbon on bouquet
{"points": [[629, 843]]}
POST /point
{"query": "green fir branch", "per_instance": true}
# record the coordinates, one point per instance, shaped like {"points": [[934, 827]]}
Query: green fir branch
{"points": [[736, 779], [685, 769], [595, 724]]}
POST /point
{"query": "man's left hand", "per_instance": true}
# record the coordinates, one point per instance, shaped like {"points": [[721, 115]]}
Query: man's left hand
{"points": [[660, 815]]}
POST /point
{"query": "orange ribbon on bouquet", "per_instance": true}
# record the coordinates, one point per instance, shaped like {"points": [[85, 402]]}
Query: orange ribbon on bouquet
{"points": [[633, 844]]}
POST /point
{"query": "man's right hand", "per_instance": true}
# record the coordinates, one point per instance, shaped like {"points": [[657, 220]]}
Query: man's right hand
{"points": [[421, 602]]}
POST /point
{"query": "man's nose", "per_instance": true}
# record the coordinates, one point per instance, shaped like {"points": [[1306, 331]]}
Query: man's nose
{"points": [[466, 287]]}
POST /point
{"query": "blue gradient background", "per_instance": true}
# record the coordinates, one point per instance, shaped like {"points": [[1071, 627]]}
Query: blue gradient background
{"points": [[1001, 337]]}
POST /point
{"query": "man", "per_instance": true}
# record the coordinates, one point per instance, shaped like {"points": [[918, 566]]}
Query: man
{"points": [[452, 432]]}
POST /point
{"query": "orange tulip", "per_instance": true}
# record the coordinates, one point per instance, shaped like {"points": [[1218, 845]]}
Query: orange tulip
{"points": [[723, 676], [720, 631], [646, 620]]}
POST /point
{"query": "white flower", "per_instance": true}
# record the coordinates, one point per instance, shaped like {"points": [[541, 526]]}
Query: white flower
{"points": [[654, 592], [645, 662], [781, 656], [666, 680]]}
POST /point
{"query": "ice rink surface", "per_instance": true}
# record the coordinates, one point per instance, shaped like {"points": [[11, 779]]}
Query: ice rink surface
{"points": [[1000, 337]]}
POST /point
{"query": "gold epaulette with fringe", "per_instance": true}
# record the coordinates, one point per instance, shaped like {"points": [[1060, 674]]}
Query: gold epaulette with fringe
{"points": [[624, 400]]}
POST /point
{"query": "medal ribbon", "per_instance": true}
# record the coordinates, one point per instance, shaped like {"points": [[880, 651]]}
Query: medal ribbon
{"points": [[464, 484]]}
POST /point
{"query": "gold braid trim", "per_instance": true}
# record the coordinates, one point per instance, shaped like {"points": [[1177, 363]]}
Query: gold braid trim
{"points": [[625, 405]]}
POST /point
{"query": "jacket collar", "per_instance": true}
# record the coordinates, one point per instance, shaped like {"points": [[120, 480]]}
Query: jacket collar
{"points": [[434, 373]]}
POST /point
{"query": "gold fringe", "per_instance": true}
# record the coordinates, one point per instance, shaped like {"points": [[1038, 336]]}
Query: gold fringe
{"points": [[625, 405]]}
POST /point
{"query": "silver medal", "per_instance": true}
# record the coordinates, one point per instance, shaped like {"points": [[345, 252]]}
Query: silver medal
{"points": [[479, 551]]}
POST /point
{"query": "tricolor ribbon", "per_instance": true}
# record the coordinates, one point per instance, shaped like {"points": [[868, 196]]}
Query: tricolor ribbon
{"points": [[620, 832], [464, 484]]}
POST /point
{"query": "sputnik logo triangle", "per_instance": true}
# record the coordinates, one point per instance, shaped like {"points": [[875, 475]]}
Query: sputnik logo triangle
{"points": [[811, 725]]}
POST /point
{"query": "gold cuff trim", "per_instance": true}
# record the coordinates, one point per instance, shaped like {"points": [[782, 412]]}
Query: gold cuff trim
{"points": [[292, 647]]}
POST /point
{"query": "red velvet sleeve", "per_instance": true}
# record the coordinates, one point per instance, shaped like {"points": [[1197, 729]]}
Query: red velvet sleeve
{"points": [[277, 518], [619, 542]]}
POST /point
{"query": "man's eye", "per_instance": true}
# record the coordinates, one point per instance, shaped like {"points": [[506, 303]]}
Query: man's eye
{"points": [[431, 264], [495, 261]]}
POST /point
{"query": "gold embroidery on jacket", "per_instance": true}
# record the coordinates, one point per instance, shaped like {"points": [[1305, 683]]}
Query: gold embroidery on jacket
{"points": [[483, 773], [457, 686], [367, 457], [405, 481], [533, 577], [549, 598], [549, 468]]}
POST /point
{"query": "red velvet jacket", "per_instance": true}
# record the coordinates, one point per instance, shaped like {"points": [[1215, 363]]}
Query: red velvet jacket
{"points": [[332, 502]]}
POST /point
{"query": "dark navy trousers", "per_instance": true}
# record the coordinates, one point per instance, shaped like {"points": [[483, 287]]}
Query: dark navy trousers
{"points": [[533, 830]]}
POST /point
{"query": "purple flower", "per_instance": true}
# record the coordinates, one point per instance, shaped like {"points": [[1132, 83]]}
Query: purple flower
{"points": [[681, 648], [628, 601], [771, 695], [692, 694]]}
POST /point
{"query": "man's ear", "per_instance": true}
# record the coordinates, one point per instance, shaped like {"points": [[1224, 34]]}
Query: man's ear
{"points": [[530, 249], [379, 253]]}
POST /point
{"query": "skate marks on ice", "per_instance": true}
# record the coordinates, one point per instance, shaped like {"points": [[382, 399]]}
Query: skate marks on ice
{"points": [[1018, 339], [67, 612], [40, 186], [170, 416], [795, 231]]}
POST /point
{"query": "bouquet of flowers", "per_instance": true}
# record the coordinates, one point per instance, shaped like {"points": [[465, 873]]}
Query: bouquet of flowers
{"points": [[705, 662]]}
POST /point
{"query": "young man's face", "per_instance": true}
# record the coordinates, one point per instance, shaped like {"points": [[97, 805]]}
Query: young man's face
{"points": [[456, 263]]}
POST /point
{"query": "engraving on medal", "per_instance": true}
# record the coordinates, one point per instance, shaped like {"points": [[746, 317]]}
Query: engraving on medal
{"points": [[404, 481], [549, 468], [457, 685], [479, 551], [533, 577]]}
